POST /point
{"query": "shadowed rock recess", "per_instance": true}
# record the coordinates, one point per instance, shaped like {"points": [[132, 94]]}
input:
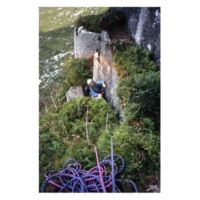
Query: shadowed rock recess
{"points": [[144, 27], [142, 24]]}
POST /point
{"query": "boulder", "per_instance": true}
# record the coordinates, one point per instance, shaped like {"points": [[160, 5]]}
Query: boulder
{"points": [[74, 92]]}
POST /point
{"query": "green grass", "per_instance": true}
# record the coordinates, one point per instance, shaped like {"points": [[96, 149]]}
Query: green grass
{"points": [[55, 18]]}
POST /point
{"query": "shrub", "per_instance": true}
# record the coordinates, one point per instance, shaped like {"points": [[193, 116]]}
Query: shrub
{"points": [[74, 114], [77, 71], [139, 86], [138, 140], [140, 153], [63, 132], [110, 20], [90, 22]]}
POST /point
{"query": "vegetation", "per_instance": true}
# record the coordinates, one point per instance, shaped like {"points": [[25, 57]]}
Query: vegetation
{"points": [[77, 71], [63, 136], [111, 20], [63, 132], [56, 26], [139, 86], [90, 22], [74, 72], [62, 124], [139, 92], [140, 152]]}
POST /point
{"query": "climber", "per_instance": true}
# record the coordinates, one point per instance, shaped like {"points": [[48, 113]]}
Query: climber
{"points": [[97, 89]]}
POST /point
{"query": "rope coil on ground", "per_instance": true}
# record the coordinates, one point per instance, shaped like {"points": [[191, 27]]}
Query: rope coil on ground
{"points": [[72, 178]]}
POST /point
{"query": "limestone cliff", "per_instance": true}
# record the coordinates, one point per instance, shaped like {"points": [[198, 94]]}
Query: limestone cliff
{"points": [[103, 69], [85, 42], [97, 45], [143, 25]]}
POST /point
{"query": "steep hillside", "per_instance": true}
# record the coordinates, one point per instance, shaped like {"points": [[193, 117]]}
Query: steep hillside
{"points": [[56, 26]]}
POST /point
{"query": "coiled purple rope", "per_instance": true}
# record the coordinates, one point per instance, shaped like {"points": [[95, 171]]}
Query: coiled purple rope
{"points": [[100, 178], [71, 178]]}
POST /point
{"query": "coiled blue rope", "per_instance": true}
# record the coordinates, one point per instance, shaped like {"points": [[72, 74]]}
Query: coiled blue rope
{"points": [[72, 178]]}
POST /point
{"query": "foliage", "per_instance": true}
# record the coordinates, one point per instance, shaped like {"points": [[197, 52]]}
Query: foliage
{"points": [[90, 22], [140, 153], [111, 19], [137, 140], [74, 72], [62, 135], [63, 132], [51, 147], [77, 71], [56, 28], [139, 86]]}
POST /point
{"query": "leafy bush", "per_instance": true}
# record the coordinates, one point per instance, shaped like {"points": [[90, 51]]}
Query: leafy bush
{"points": [[90, 22], [51, 152], [140, 153], [138, 140], [74, 115], [77, 71], [110, 20], [63, 132], [139, 86]]}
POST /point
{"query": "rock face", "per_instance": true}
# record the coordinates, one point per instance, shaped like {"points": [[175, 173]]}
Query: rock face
{"points": [[85, 42], [97, 45], [73, 92], [103, 69], [144, 27]]}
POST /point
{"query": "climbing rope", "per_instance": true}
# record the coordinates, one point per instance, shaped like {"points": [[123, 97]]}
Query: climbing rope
{"points": [[86, 125], [112, 164], [100, 170], [100, 178]]}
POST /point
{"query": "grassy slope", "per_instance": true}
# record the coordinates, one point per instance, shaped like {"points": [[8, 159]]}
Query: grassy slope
{"points": [[56, 27]]}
